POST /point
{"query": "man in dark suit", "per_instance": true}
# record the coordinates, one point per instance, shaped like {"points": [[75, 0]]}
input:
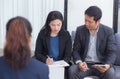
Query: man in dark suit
{"points": [[94, 43]]}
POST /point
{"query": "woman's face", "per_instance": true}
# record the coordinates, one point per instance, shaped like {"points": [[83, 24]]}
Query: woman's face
{"points": [[55, 26]]}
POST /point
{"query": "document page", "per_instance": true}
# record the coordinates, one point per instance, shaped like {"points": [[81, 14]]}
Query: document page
{"points": [[60, 63]]}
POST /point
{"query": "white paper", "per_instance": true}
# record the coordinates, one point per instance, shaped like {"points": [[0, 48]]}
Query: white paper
{"points": [[60, 63]]}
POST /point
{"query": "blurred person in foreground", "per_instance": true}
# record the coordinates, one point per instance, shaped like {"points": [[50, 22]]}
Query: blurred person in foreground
{"points": [[16, 63]]}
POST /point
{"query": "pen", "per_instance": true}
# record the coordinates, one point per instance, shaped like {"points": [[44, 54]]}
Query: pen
{"points": [[48, 56], [49, 60]]}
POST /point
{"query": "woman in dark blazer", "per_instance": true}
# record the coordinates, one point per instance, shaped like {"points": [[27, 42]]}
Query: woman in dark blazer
{"points": [[53, 41]]}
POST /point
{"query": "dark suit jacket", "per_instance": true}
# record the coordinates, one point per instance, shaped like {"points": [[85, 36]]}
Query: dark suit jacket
{"points": [[34, 70], [43, 46], [105, 44]]}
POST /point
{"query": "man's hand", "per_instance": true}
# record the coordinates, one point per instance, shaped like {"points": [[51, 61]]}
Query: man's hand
{"points": [[83, 66], [103, 69]]}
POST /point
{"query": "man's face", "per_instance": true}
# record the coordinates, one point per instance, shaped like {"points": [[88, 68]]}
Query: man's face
{"points": [[90, 23]]}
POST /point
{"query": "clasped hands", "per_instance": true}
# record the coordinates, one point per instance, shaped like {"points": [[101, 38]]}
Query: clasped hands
{"points": [[83, 67]]}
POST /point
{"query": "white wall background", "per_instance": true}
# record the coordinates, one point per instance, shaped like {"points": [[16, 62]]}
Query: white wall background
{"points": [[76, 10], [35, 11]]}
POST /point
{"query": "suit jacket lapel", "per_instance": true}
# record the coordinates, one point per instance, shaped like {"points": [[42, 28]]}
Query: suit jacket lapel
{"points": [[99, 36], [48, 43], [87, 38], [60, 45]]}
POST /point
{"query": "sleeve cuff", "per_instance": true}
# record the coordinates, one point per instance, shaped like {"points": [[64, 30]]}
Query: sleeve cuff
{"points": [[78, 61]]}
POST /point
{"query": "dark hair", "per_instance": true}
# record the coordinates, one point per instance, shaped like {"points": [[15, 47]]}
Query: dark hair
{"points": [[53, 15], [17, 50], [94, 11]]}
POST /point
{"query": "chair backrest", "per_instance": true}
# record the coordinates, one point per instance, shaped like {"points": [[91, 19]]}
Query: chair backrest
{"points": [[117, 38], [73, 35]]}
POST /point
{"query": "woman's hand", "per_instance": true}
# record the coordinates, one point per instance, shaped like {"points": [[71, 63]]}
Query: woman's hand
{"points": [[49, 61]]}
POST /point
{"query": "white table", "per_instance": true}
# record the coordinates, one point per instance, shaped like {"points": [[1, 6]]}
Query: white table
{"points": [[56, 72]]}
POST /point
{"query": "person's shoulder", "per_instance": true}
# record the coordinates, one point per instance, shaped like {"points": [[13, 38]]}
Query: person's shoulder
{"points": [[41, 33], [81, 27], [1, 59], [3, 64], [37, 63], [106, 28], [65, 33], [39, 68]]}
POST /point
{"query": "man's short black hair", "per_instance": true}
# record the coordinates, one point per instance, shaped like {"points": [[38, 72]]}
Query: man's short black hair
{"points": [[94, 11]]}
